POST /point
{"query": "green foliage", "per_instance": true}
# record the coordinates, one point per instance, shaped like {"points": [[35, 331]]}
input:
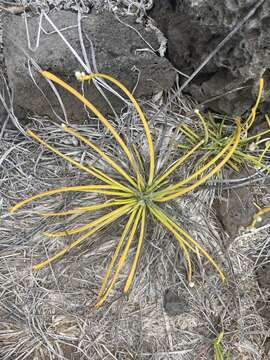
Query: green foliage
{"points": [[219, 353], [215, 135]]}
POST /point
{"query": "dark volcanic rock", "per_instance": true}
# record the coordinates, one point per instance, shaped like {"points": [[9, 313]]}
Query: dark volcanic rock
{"points": [[263, 275], [236, 208], [195, 27], [3, 114], [175, 304], [3, 97], [118, 51]]}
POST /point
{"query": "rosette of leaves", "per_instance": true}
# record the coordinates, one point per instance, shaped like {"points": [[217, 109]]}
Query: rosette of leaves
{"points": [[251, 148], [132, 195]]}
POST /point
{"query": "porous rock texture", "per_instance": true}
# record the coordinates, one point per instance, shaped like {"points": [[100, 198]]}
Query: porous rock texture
{"points": [[194, 28], [121, 49], [235, 207]]}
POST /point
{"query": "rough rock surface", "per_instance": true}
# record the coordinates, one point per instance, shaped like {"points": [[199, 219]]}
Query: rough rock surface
{"points": [[175, 304], [194, 28], [2, 109], [235, 208], [119, 49]]}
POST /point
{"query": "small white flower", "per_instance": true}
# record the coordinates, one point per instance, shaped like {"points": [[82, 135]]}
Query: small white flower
{"points": [[252, 146], [79, 75]]}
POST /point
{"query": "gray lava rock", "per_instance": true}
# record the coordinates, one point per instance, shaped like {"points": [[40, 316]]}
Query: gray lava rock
{"points": [[175, 304], [4, 96], [195, 27], [118, 51], [3, 114], [263, 275], [236, 207]]}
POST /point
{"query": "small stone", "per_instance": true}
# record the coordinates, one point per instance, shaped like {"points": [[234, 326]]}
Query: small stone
{"points": [[175, 304], [235, 209]]}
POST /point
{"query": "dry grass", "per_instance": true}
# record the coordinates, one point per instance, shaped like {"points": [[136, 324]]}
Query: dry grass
{"points": [[51, 314]]}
